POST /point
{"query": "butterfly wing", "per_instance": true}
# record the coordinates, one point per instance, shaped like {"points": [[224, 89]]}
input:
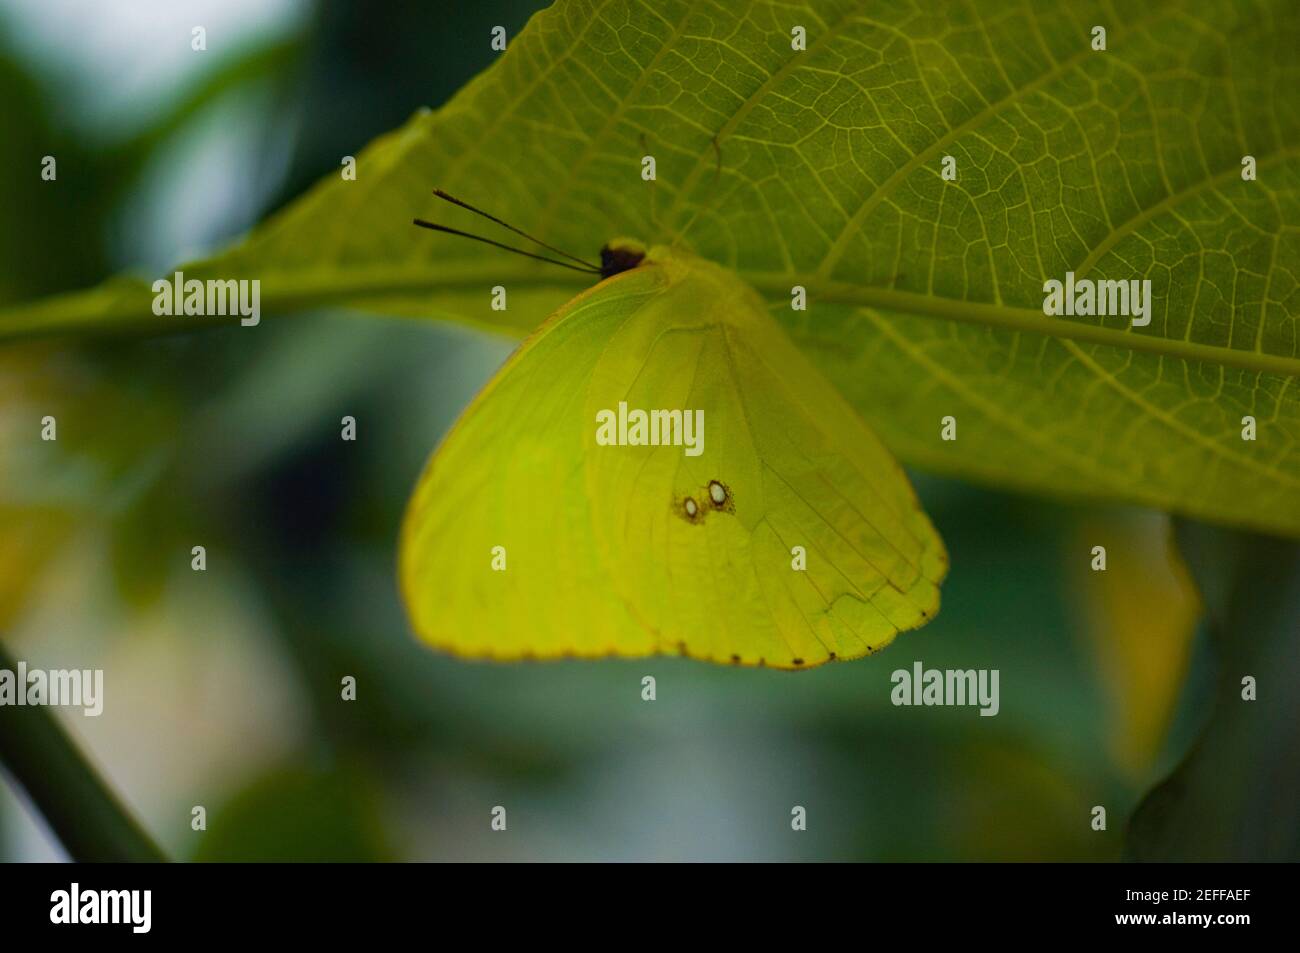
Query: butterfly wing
{"points": [[815, 547], [498, 557], [601, 554]]}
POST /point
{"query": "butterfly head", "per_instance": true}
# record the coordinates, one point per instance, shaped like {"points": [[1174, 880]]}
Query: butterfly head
{"points": [[620, 255]]}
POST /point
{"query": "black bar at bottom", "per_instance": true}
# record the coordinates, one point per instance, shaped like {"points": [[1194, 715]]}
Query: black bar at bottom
{"points": [[333, 903]]}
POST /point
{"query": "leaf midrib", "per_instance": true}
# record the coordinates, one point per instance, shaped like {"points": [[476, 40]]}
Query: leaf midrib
{"points": [[305, 291], [775, 286]]}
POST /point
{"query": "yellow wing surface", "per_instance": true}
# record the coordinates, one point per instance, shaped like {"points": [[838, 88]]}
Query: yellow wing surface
{"points": [[766, 526]]}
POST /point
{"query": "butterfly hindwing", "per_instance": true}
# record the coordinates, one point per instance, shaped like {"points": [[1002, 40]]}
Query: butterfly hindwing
{"points": [[797, 468]]}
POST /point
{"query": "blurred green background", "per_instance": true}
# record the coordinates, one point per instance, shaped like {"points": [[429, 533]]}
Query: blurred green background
{"points": [[223, 688]]}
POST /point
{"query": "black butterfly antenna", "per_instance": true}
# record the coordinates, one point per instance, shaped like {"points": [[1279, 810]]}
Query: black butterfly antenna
{"points": [[580, 266]]}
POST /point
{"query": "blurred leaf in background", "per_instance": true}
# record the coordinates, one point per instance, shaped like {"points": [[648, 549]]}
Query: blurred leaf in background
{"points": [[1140, 612], [298, 814], [1235, 796]]}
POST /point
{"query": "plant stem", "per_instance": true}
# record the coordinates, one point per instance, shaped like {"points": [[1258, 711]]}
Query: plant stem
{"points": [[83, 813]]}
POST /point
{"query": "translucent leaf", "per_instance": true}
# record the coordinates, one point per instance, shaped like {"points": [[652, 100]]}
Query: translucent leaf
{"points": [[822, 168]]}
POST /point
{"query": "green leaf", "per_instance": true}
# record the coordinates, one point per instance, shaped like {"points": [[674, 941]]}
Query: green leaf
{"points": [[821, 168]]}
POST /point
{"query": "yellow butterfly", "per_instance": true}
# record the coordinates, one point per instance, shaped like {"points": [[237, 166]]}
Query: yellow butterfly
{"points": [[659, 469]]}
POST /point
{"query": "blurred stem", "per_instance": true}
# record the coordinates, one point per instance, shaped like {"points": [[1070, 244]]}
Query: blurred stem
{"points": [[85, 815]]}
